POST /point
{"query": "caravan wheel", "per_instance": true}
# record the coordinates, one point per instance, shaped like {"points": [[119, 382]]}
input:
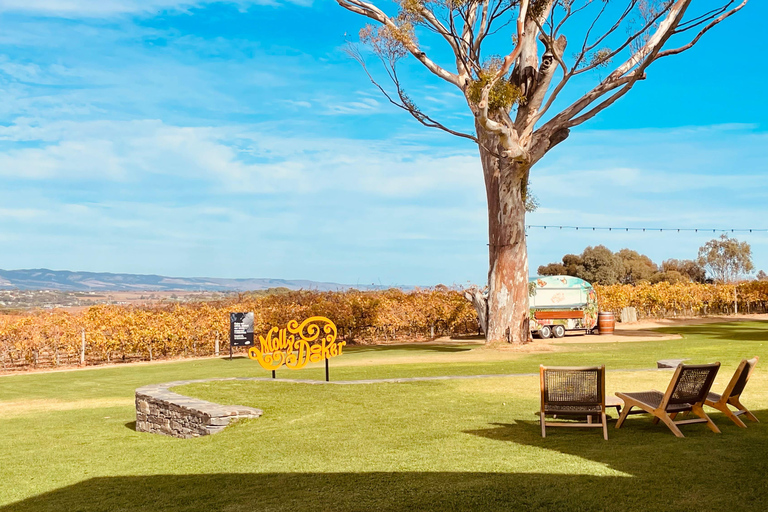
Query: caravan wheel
{"points": [[545, 332], [558, 331]]}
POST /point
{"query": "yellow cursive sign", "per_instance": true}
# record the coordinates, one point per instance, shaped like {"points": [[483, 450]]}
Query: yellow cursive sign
{"points": [[294, 346]]}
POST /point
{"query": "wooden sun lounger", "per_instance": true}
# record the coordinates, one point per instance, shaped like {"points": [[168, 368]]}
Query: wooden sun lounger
{"points": [[732, 393], [686, 392], [573, 392]]}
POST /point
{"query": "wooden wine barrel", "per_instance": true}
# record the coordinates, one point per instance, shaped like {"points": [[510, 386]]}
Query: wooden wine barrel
{"points": [[606, 322]]}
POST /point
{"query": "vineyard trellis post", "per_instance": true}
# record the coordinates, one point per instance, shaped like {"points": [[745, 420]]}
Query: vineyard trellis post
{"points": [[82, 347]]}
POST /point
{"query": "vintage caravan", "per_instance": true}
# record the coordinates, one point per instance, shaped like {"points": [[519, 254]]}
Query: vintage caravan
{"points": [[561, 303]]}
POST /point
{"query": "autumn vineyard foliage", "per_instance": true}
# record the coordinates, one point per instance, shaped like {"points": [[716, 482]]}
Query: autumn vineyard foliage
{"points": [[132, 333], [52, 338], [664, 299]]}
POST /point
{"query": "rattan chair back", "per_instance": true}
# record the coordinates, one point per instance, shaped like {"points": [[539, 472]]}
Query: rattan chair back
{"points": [[741, 377], [691, 383], [573, 392], [573, 386]]}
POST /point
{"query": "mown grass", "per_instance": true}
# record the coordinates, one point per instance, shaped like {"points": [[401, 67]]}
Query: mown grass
{"points": [[67, 441]]}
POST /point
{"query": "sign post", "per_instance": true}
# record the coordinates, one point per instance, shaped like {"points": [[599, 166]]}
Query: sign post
{"points": [[240, 331]]}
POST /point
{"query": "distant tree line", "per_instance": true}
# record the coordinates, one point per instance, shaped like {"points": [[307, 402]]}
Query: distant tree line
{"points": [[721, 260]]}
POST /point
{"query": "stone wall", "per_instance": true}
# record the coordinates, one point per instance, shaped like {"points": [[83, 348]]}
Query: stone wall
{"points": [[161, 411]]}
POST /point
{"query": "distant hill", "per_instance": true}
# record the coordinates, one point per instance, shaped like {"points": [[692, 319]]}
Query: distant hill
{"points": [[64, 280]]}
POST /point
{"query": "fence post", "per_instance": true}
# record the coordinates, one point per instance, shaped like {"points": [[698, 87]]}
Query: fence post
{"points": [[216, 346], [82, 348]]}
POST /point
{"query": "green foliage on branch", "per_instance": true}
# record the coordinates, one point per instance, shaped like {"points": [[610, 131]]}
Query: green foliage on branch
{"points": [[390, 43], [502, 95]]}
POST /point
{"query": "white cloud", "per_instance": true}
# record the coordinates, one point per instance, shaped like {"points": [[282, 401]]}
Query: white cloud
{"points": [[231, 159], [363, 106], [298, 104], [709, 177], [21, 213], [107, 8]]}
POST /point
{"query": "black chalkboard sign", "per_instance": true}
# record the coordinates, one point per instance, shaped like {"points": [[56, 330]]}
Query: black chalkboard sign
{"points": [[241, 329]]}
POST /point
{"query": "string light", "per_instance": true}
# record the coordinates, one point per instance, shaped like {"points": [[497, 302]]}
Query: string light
{"points": [[661, 230]]}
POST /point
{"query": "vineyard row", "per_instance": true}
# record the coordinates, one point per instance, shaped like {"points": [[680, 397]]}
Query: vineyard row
{"points": [[104, 334]]}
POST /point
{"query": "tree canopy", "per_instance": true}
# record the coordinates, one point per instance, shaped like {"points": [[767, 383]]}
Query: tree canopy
{"points": [[600, 265], [726, 259], [509, 57]]}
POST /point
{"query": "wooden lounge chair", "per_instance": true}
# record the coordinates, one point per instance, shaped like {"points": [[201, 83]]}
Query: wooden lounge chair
{"points": [[573, 393], [732, 393], [686, 393]]}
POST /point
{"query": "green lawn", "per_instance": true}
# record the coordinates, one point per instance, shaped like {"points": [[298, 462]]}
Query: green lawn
{"points": [[67, 441]]}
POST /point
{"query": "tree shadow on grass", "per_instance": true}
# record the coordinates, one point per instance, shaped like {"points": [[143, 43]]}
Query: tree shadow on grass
{"points": [[641, 467], [299, 492], [708, 471], [753, 330]]}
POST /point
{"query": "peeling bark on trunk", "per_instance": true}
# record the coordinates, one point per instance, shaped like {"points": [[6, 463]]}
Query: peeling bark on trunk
{"points": [[479, 300], [507, 307]]}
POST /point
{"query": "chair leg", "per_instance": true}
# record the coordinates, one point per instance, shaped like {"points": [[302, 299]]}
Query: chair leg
{"points": [[736, 403], [698, 411], [656, 418], [605, 426], [725, 410], [543, 425], [671, 424], [623, 415]]}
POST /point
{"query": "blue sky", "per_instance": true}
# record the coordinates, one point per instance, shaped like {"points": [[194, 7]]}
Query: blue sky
{"points": [[237, 139]]}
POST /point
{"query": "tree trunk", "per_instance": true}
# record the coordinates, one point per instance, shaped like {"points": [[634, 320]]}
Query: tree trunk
{"points": [[505, 184]]}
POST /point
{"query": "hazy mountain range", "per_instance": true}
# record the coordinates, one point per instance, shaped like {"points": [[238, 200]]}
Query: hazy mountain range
{"points": [[64, 280]]}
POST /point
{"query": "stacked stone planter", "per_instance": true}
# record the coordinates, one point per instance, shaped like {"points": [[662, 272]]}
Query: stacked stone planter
{"points": [[162, 411]]}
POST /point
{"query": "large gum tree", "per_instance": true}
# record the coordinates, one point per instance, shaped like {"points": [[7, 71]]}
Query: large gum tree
{"points": [[511, 96]]}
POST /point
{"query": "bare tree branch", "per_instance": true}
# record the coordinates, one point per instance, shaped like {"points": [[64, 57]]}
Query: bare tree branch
{"points": [[483, 28], [706, 29], [466, 25], [644, 57], [405, 103], [703, 18], [370, 11], [628, 82], [654, 43], [627, 42]]}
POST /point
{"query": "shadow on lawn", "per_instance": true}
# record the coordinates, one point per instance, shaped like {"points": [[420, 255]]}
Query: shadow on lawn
{"points": [[753, 330], [299, 492], [646, 468], [704, 465]]}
